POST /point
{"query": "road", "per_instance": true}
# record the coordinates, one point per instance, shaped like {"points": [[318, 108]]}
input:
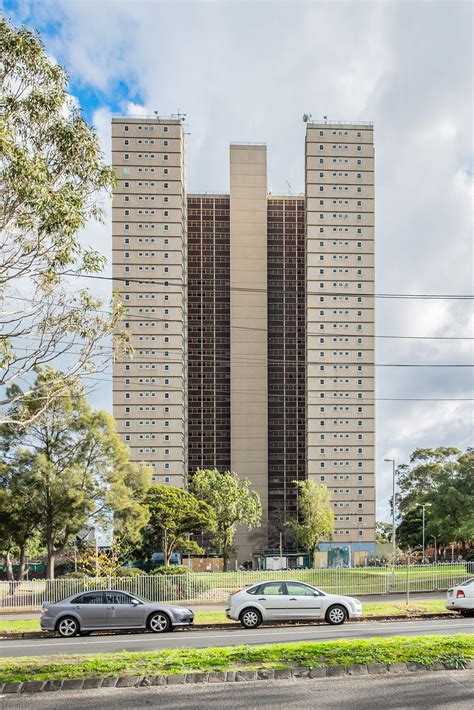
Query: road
{"points": [[442, 690], [230, 637], [394, 598]]}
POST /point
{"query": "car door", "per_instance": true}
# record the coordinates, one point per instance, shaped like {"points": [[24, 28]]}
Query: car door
{"points": [[271, 597], [121, 612], [470, 593], [302, 601], [91, 609]]}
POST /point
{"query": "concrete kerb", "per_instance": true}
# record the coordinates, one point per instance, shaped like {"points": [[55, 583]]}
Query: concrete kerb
{"points": [[239, 676]]}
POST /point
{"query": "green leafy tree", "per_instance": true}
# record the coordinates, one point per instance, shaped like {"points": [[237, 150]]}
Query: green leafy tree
{"points": [[52, 177], [383, 532], [175, 514], [409, 530], [443, 479], [232, 502], [18, 535], [316, 516], [75, 468]]}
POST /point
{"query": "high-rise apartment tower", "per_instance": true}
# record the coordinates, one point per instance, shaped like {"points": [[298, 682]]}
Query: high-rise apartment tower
{"points": [[149, 245], [252, 321]]}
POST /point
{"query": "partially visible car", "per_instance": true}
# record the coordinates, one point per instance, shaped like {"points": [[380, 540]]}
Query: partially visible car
{"points": [[461, 598], [284, 600], [110, 610]]}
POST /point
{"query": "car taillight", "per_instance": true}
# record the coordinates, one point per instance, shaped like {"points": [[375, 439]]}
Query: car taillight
{"points": [[460, 593]]}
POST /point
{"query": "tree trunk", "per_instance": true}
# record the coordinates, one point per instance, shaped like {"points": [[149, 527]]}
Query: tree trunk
{"points": [[50, 561], [226, 549], [23, 566], [9, 566]]}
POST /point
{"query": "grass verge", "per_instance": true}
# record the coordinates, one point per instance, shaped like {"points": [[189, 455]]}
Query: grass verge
{"points": [[455, 651], [219, 617]]}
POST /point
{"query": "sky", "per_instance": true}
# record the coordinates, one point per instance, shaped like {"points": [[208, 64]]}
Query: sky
{"points": [[247, 71]]}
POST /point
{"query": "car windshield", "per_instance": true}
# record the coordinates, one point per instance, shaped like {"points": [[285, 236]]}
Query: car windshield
{"points": [[468, 581]]}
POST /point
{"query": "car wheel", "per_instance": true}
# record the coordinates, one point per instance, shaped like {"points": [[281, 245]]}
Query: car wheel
{"points": [[68, 627], [250, 618], [159, 623], [336, 615]]}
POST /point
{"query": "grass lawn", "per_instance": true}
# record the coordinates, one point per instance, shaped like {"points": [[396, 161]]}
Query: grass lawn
{"points": [[452, 650], [219, 617]]}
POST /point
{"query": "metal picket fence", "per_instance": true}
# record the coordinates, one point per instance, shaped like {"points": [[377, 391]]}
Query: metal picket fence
{"points": [[215, 587]]}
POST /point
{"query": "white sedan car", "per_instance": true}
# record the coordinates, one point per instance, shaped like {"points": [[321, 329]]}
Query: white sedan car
{"points": [[461, 598], [288, 601]]}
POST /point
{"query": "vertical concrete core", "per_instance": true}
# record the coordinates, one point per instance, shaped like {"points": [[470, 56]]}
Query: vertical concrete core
{"points": [[248, 320]]}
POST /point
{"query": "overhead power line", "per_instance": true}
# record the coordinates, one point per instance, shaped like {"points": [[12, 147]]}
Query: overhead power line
{"points": [[323, 401], [272, 361], [147, 317], [161, 281]]}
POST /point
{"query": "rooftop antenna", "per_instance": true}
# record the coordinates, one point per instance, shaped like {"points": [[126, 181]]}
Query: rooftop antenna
{"points": [[180, 116], [325, 119], [289, 186], [307, 117]]}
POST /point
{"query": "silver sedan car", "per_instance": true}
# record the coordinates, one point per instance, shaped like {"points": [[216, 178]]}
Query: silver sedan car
{"points": [[110, 610], [284, 600]]}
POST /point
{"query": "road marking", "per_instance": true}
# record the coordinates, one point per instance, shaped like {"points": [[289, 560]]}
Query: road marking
{"points": [[383, 626]]}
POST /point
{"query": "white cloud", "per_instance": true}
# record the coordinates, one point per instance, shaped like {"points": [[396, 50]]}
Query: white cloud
{"points": [[132, 109]]}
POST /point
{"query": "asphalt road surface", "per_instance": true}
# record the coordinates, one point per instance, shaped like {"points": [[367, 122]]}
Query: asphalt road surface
{"points": [[394, 598], [441, 690], [230, 637]]}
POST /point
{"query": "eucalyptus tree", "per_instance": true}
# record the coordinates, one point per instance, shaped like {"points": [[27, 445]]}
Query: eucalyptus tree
{"points": [[233, 503], [52, 180], [66, 470], [316, 516]]}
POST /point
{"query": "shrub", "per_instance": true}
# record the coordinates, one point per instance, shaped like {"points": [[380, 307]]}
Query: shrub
{"points": [[129, 572], [74, 575], [170, 569]]}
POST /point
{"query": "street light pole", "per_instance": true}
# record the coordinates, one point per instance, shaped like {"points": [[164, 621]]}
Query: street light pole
{"points": [[394, 546], [423, 506], [423, 532]]}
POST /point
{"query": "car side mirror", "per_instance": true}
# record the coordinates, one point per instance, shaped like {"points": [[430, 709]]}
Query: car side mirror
{"points": [[135, 602]]}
